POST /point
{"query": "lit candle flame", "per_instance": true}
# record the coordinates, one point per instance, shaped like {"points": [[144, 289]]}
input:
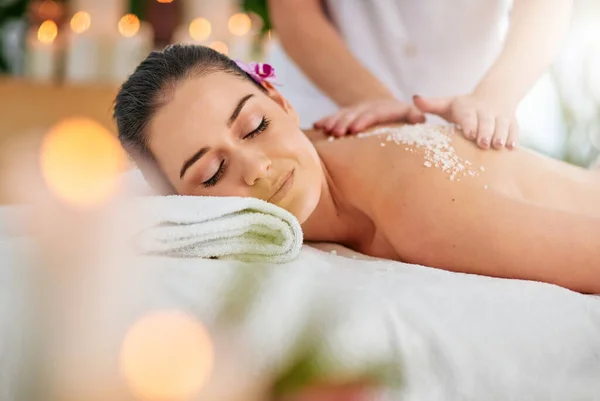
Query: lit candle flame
{"points": [[165, 1], [239, 24], [129, 25], [166, 355], [47, 32], [81, 162], [200, 29], [219, 46], [81, 22]]}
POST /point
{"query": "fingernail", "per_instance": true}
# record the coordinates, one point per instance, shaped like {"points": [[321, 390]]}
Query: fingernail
{"points": [[485, 142], [500, 142], [512, 145]]}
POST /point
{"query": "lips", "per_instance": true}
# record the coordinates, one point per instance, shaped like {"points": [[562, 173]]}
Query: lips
{"points": [[282, 187]]}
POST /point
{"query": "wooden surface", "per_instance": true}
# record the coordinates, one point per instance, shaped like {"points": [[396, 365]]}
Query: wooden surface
{"points": [[29, 108]]}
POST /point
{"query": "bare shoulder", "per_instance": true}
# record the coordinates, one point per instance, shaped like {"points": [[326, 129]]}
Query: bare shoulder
{"points": [[398, 158], [409, 176]]}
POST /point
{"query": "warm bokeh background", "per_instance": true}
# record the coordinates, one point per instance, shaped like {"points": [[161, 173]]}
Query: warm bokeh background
{"points": [[61, 58]]}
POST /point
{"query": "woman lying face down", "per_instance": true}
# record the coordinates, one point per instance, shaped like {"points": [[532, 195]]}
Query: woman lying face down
{"points": [[198, 125]]}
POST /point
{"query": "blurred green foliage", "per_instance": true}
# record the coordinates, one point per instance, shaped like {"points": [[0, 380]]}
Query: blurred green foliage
{"points": [[9, 10], [258, 7]]}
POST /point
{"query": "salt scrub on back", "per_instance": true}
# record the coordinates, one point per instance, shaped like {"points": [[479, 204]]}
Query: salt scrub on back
{"points": [[436, 144]]}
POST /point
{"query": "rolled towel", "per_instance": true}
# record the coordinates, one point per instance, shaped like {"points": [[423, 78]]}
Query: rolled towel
{"points": [[245, 229]]}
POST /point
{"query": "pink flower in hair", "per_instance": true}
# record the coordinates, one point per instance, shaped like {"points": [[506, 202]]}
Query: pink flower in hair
{"points": [[260, 72]]}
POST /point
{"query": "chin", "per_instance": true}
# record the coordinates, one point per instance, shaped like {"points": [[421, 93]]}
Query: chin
{"points": [[304, 203]]}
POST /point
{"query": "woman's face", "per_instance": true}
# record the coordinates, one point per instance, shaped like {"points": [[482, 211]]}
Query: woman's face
{"points": [[219, 135]]}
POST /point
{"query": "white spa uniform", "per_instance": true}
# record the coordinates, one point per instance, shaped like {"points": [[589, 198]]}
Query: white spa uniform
{"points": [[432, 48]]}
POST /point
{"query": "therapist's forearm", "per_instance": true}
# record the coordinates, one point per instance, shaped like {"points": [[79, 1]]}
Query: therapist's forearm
{"points": [[316, 47], [536, 31]]}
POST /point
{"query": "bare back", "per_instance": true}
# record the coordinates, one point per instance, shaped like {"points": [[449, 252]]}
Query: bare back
{"points": [[454, 206], [520, 174]]}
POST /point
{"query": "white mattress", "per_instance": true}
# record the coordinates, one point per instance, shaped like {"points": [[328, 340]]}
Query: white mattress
{"points": [[3, 218], [453, 336]]}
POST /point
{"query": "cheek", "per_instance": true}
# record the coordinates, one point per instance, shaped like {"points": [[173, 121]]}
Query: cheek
{"points": [[292, 141]]}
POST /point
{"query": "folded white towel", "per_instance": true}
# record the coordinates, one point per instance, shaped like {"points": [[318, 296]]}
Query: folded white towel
{"points": [[246, 229]]}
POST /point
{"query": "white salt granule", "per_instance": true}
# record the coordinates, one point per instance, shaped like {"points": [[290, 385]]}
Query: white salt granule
{"points": [[334, 252], [330, 139], [485, 187], [382, 144], [434, 141]]}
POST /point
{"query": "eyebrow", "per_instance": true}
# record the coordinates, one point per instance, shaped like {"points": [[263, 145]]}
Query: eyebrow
{"points": [[189, 162], [236, 112]]}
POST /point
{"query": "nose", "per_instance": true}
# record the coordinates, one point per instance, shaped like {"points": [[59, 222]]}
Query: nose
{"points": [[255, 167]]}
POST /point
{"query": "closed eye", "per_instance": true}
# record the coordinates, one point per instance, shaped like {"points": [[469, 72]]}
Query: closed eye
{"points": [[212, 181], [264, 124]]}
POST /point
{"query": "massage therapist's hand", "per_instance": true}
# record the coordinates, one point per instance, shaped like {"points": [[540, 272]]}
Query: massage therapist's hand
{"points": [[357, 118], [488, 123]]}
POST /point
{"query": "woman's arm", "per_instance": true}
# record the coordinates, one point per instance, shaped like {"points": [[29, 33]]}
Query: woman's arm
{"points": [[312, 42], [537, 28], [487, 115], [466, 228]]}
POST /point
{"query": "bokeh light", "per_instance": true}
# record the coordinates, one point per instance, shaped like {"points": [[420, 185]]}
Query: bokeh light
{"points": [[47, 32], [129, 25], [219, 46], [256, 21], [81, 162], [165, 1], [166, 355], [200, 29], [239, 24], [81, 21]]}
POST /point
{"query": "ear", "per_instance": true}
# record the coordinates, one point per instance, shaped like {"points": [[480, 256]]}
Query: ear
{"points": [[281, 101]]}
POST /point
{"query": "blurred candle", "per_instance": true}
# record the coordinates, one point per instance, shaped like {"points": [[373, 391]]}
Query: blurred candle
{"points": [[197, 32], [219, 46], [133, 45], [82, 64], [268, 43], [42, 52], [217, 12], [240, 46], [105, 13], [200, 29]]}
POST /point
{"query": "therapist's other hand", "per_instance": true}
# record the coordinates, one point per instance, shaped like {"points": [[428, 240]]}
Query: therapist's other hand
{"points": [[352, 120], [487, 124]]}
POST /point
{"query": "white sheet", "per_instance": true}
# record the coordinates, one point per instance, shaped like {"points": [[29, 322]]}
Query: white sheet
{"points": [[453, 336]]}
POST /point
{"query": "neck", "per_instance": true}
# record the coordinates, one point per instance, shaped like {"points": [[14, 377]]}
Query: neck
{"points": [[335, 219]]}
